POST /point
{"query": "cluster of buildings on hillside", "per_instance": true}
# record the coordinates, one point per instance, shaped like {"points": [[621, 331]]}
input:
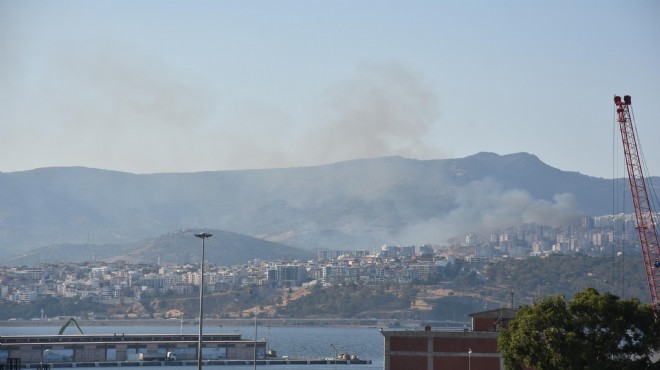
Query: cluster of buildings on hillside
{"points": [[395, 264], [593, 235], [114, 281]]}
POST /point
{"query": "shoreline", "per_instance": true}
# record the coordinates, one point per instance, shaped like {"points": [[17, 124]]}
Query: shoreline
{"points": [[233, 322], [210, 322]]}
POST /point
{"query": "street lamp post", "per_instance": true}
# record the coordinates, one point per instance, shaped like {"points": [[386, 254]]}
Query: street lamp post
{"points": [[202, 236], [336, 355], [469, 358], [256, 313], [43, 353]]}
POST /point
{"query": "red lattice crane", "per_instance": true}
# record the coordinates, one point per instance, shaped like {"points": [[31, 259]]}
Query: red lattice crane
{"points": [[648, 237]]}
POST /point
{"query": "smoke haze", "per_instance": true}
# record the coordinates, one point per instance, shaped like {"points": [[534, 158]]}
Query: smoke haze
{"points": [[385, 110], [123, 109], [483, 207]]}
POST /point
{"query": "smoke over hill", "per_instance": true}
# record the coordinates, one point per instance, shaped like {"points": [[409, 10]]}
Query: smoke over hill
{"points": [[353, 204]]}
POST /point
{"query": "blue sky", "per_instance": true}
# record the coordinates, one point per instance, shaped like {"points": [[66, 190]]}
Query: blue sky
{"points": [[181, 86]]}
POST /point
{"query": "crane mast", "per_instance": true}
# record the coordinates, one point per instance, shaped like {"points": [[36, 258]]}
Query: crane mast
{"points": [[648, 236]]}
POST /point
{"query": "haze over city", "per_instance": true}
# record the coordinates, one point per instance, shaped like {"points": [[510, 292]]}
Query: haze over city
{"points": [[176, 86]]}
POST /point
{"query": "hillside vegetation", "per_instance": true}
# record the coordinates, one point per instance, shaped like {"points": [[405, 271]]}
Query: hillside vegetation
{"points": [[467, 291], [536, 277]]}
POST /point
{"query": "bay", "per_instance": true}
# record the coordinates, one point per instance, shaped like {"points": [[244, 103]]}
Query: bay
{"points": [[292, 341]]}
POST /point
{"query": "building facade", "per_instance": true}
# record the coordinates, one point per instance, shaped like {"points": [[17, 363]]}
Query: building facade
{"points": [[449, 349]]}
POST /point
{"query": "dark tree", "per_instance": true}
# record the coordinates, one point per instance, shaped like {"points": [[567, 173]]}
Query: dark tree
{"points": [[593, 331]]}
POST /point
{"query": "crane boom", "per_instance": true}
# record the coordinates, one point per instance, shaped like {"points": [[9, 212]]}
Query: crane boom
{"points": [[648, 236]]}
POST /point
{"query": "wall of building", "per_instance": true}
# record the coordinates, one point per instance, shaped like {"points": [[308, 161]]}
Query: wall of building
{"points": [[436, 349]]}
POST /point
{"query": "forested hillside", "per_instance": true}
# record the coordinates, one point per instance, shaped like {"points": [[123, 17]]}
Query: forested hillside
{"points": [[565, 274]]}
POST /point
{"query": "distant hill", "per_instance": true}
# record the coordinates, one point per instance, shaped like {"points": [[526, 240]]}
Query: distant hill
{"points": [[223, 248], [354, 204], [180, 247]]}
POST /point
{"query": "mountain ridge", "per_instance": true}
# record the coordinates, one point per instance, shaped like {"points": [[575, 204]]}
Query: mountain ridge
{"points": [[359, 203]]}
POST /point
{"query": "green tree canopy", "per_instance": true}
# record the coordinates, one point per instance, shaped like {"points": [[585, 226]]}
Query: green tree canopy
{"points": [[593, 331]]}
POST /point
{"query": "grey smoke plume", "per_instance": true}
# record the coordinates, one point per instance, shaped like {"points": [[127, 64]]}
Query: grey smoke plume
{"points": [[483, 206], [111, 108], [119, 108], [386, 109]]}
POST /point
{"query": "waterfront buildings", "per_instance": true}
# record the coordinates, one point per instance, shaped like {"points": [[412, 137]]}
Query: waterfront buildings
{"points": [[85, 350]]}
